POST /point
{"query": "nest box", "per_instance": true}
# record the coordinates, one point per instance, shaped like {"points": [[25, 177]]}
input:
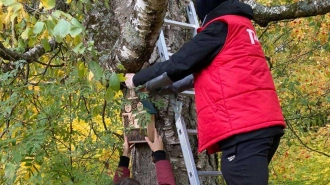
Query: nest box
{"points": [[133, 110]]}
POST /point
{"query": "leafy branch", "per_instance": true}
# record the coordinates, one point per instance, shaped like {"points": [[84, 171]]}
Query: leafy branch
{"points": [[30, 55], [301, 142]]}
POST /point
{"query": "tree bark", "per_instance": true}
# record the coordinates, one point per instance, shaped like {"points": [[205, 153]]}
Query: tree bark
{"points": [[30, 55], [132, 31], [265, 14]]}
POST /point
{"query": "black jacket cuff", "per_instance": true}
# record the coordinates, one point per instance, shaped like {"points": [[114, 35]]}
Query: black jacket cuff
{"points": [[124, 161], [158, 155]]}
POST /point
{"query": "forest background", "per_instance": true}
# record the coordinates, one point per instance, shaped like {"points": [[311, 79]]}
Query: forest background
{"points": [[61, 64]]}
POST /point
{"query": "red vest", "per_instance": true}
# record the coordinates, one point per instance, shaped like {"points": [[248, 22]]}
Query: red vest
{"points": [[235, 94]]}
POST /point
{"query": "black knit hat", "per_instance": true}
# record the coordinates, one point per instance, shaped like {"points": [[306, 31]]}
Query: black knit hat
{"points": [[204, 7]]}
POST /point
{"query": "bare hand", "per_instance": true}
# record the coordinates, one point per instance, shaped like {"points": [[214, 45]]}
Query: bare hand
{"points": [[129, 80], [157, 144], [127, 147]]}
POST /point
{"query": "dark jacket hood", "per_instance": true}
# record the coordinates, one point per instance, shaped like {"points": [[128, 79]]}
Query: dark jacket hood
{"points": [[206, 12]]}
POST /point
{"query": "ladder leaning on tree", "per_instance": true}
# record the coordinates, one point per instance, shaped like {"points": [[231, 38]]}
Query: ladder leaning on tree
{"points": [[193, 174]]}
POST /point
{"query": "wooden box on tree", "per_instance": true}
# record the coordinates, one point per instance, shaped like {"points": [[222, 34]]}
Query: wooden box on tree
{"points": [[138, 118]]}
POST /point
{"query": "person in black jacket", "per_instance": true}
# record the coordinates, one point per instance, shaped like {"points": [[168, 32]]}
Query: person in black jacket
{"points": [[246, 155]]}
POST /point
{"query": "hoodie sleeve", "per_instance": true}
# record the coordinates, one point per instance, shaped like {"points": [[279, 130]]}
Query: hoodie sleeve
{"points": [[177, 87], [165, 175], [164, 172], [122, 171], [191, 58]]}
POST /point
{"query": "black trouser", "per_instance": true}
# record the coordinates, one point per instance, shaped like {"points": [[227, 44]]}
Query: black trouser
{"points": [[247, 162]]}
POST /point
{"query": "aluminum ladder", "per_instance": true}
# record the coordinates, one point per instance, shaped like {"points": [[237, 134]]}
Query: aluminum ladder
{"points": [[193, 174]]}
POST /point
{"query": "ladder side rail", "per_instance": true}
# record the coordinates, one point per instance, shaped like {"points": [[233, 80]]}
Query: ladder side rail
{"points": [[187, 153], [184, 142], [162, 48], [180, 125], [192, 16], [193, 20]]}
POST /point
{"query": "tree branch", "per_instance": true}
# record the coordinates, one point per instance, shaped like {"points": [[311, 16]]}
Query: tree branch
{"points": [[302, 143], [265, 14], [138, 34], [31, 55]]}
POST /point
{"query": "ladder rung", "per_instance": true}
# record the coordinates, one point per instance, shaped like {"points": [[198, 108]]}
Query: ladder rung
{"points": [[192, 131], [209, 173], [179, 24], [188, 93]]}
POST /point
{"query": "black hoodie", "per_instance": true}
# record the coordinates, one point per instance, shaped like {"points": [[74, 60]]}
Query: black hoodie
{"points": [[198, 53]]}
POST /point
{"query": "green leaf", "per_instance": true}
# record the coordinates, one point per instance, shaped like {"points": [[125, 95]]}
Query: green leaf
{"points": [[121, 77], [79, 49], [38, 27], [114, 82], [96, 70], [106, 3], [21, 44], [328, 98], [77, 28], [26, 33], [74, 31], [57, 13], [81, 70], [15, 8], [67, 15], [17, 157], [304, 101], [48, 4], [50, 26], [9, 170], [62, 28], [58, 39], [28, 164], [76, 23], [121, 67], [109, 95], [45, 44], [8, 2]]}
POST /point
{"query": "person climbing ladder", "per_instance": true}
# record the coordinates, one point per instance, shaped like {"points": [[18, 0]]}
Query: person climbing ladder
{"points": [[237, 106]]}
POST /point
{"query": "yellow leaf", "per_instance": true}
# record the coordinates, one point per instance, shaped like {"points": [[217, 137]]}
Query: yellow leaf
{"points": [[25, 34], [2, 17], [9, 13], [48, 4], [90, 76], [25, 15]]}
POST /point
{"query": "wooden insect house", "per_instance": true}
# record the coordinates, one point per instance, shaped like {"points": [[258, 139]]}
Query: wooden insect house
{"points": [[138, 119]]}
